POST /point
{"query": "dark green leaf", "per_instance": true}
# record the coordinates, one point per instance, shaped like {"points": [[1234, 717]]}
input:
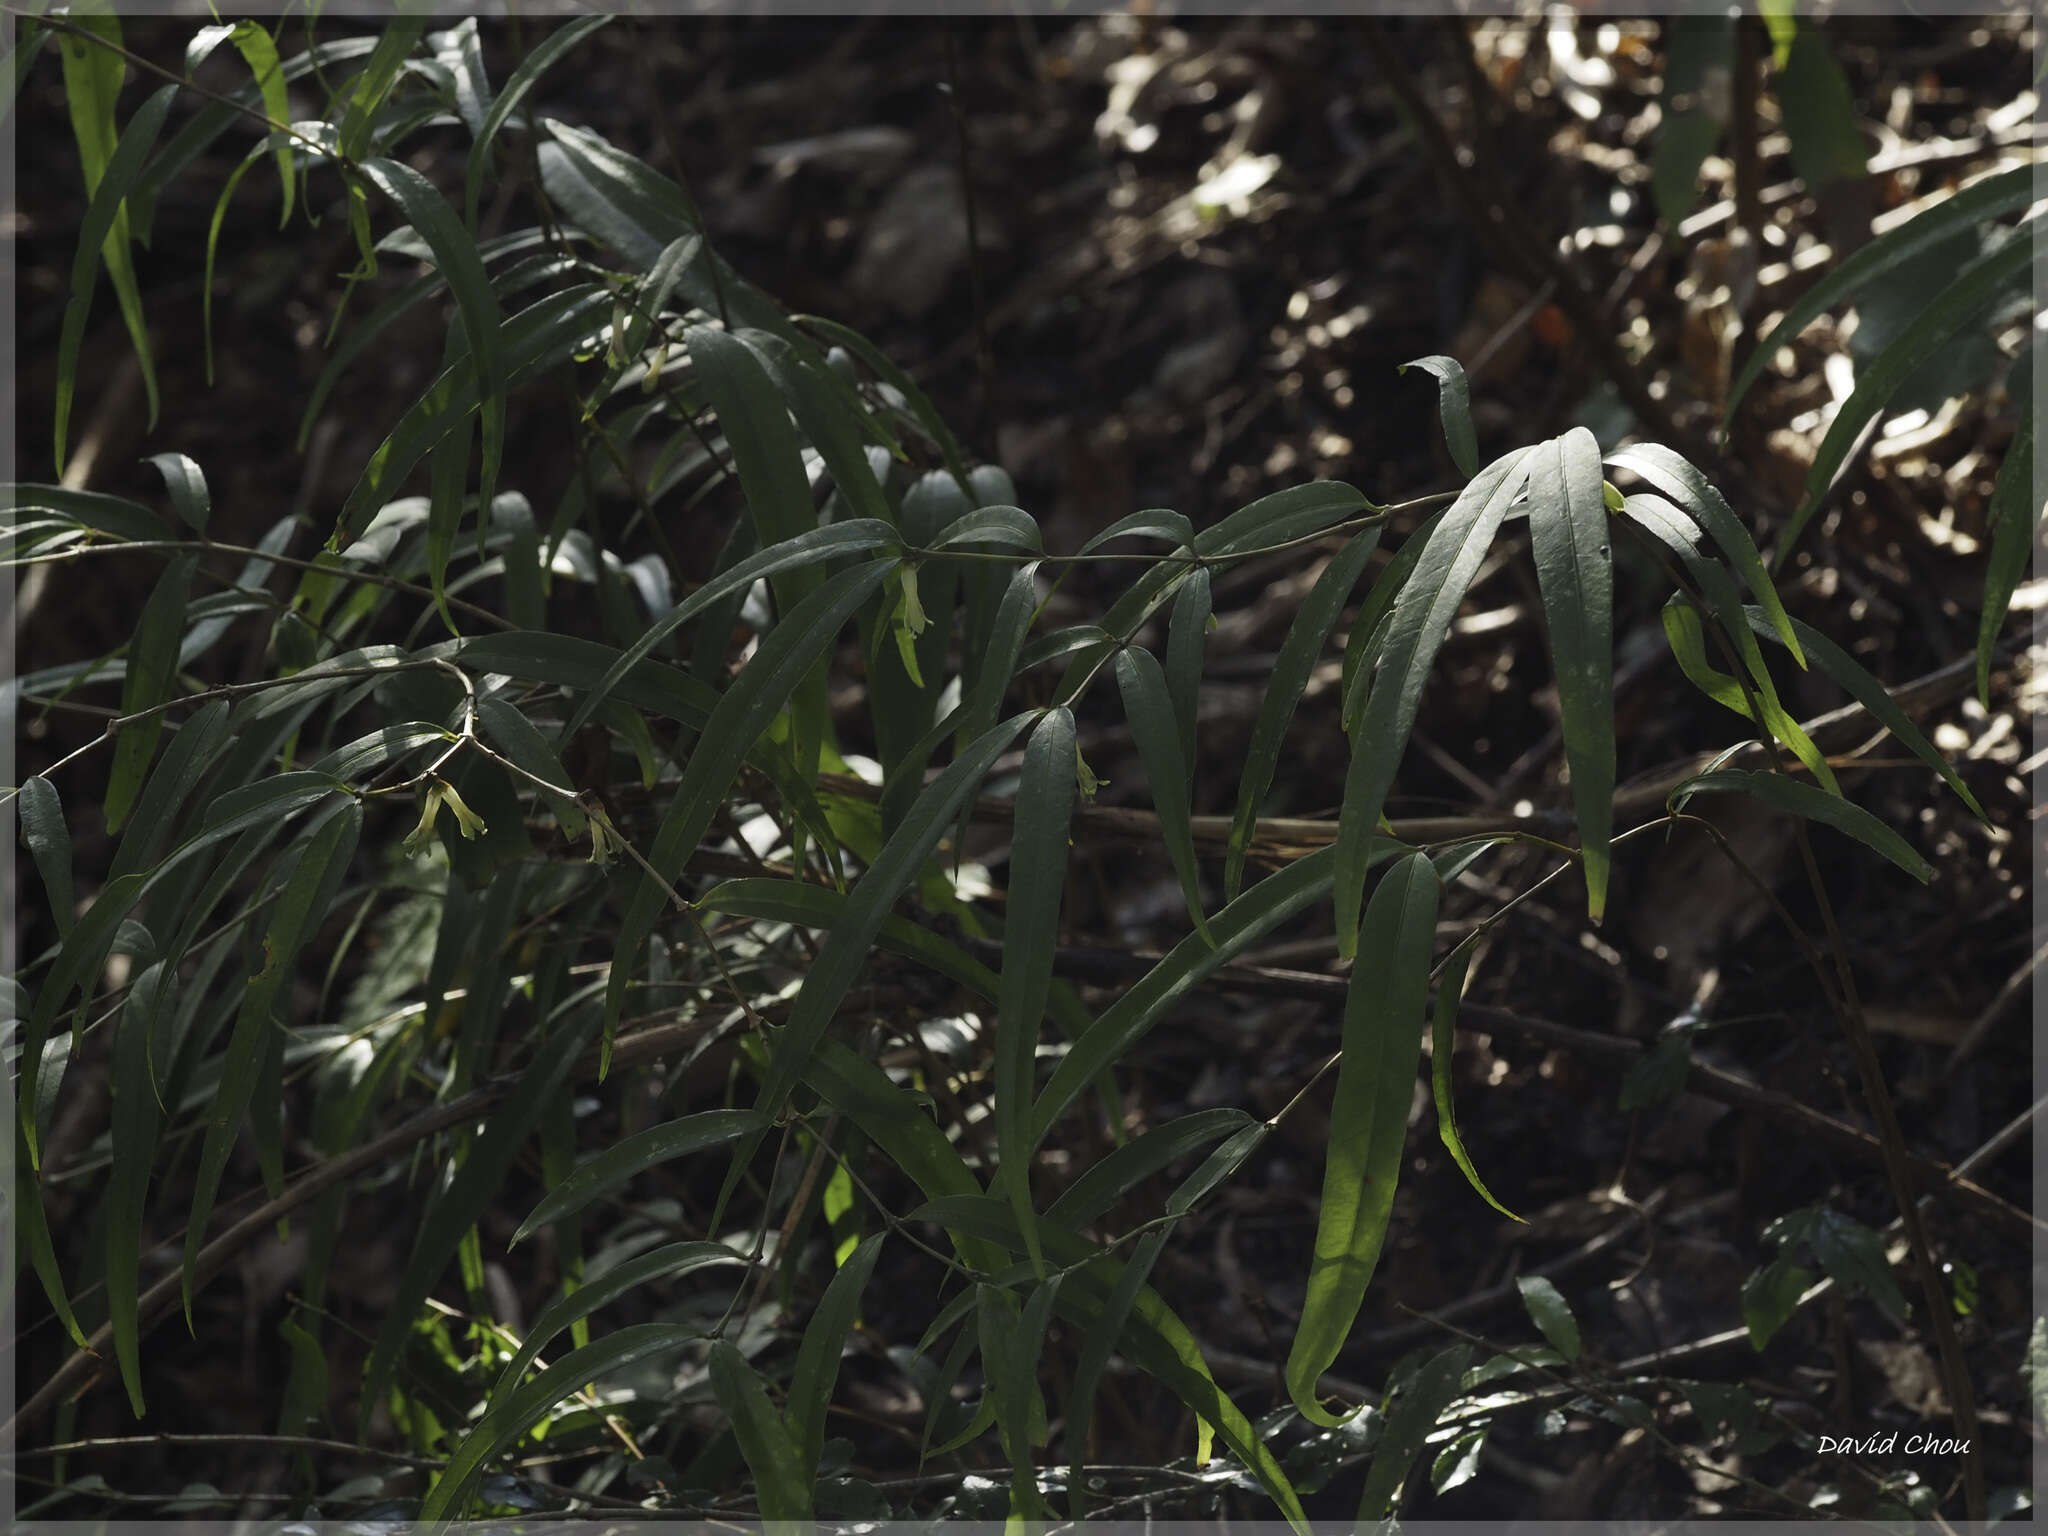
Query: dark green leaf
{"points": [[1284, 687], [846, 947], [1551, 1313], [1575, 574], [1031, 932], [1854, 1255], [1150, 710], [1417, 1403], [49, 844], [321, 862], [1450, 991], [805, 549], [517, 86], [1383, 1018], [185, 482], [1991, 276], [1820, 114], [1421, 615], [1454, 407], [622, 1160], [136, 1119], [782, 1483], [1843, 668], [1798, 799], [1703, 504], [510, 1418], [449, 1218], [817, 1360], [2015, 522], [1986, 199], [1770, 1296], [1243, 922], [152, 661], [104, 231], [457, 257], [786, 655]]}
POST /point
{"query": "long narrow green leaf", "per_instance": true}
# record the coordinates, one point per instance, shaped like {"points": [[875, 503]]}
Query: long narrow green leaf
{"points": [[374, 85], [1243, 922], [2015, 522], [2007, 192], [846, 947], [1797, 799], [259, 52], [32, 1231], [1108, 1327], [187, 486], [321, 864], [831, 416], [622, 1160], [886, 370], [668, 1262], [806, 549], [782, 1487], [1285, 683], [49, 844], [538, 337], [152, 660], [1412, 1414], [518, 85], [569, 661], [447, 478], [1421, 616], [1686, 486], [1187, 633], [788, 653], [508, 1420], [1150, 711], [1279, 518], [136, 1119], [104, 232], [1992, 275], [1443, 1048], [1454, 406], [817, 1359], [1687, 635], [449, 1218], [1156, 1340], [1161, 523], [1038, 876], [1575, 575], [1383, 1020], [1009, 1357], [1108, 1180], [1367, 640], [521, 741], [364, 334], [455, 253]]}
